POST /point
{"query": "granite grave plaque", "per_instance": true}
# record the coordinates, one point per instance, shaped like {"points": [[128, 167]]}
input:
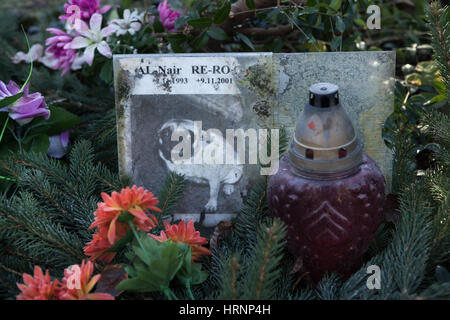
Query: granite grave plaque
{"points": [[159, 95]]}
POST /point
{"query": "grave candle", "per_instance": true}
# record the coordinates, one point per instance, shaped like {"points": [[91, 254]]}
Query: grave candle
{"points": [[327, 190]]}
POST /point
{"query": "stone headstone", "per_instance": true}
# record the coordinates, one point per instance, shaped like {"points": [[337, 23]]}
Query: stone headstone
{"points": [[159, 95]]}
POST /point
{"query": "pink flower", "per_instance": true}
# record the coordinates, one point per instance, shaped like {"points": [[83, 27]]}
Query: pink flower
{"points": [[25, 109], [167, 15], [92, 38], [79, 282], [86, 9], [185, 234], [59, 48], [38, 287]]}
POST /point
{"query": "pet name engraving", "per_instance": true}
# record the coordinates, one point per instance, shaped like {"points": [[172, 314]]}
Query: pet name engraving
{"points": [[160, 70]]}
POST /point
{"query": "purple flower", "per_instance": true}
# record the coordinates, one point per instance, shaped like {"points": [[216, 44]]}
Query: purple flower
{"points": [[25, 109], [58, 145], [86, 8], [59, 48], [167, 15]]}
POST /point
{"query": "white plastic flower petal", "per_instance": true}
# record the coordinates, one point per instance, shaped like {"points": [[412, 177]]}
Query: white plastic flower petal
{"points": [[89, 54], [80, 42], [96, 22], [104, 49]]}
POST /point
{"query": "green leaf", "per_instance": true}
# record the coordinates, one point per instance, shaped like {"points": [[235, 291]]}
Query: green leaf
{"points": [[158, 26], [250, 4], [40, 143], [125, 4], [201, 41], [336, 43], [340, 25], [200, 23], [360, 22], [10, 100], [437, 101], [245, 40], [177, 38], [308, 10], [134, 285], [60, 120], [335, 5], [106, 73], [190, 273], [222, 13], [217, 33], [154, 265], [122, 242]]}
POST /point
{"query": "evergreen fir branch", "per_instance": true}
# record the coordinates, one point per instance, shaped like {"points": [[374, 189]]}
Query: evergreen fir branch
{"points": [[304, 294], [45, 221], [328, 287], [170, 193], [436, 291], [102, 132], [403, 263], [232, 272], [437, 183], [285, 285], [263, 270], [251, 215], [408, 253], [439, 26]]}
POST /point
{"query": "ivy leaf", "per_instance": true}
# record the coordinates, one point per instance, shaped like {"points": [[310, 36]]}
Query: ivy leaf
{"points": [[106, 73], [250, 4], [222, 13], [308, 10], [340, 25], [200, 23], [201, 41], [217, 33], [336, 43], [10, 100], [360, 22], [245, 40], [335, 5]]}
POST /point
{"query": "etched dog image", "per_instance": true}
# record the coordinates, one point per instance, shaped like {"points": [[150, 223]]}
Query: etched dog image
{"points": [[211, 170]]}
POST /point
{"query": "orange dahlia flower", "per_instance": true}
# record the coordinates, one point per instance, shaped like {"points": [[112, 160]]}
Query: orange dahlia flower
{"points": [[78, 283], [185, 234], [98, 248], [133, 200], [39, 287]]}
